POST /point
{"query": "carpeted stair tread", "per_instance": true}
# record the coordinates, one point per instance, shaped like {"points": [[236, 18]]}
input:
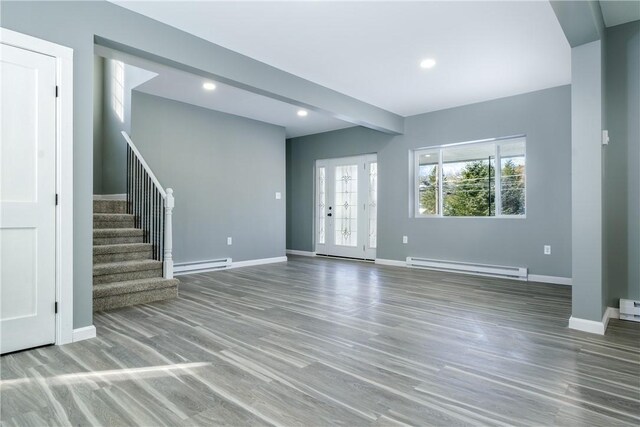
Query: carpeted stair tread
{"points": [[121, 248], [112, 216], [101, 221], [124, 300], [126, 266], [132, 286], [118, 232], [109, 206]]}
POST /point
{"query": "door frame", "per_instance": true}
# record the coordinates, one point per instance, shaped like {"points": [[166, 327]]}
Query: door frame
{"points": [[64, 173], [368, 158]]}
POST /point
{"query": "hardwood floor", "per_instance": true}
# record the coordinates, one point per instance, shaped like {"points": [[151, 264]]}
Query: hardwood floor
{"points": [[318, 342]]}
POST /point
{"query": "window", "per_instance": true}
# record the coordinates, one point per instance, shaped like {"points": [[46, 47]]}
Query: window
{"points": [[117, 89], [478, 179]]}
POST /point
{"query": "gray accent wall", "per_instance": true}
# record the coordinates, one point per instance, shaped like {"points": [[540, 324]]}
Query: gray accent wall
{"points": [[622, 163], [224, 170], [543, 116]]}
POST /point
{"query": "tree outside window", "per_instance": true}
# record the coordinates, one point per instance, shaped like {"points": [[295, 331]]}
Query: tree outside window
{"points": [[471, 185]]}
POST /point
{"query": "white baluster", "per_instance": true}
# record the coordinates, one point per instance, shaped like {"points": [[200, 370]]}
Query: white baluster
{"points": [[168, 243]]}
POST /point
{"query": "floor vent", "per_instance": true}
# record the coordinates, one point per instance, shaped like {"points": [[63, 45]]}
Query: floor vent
{"points": [[201, 266], [518, 273], [630, 310]]}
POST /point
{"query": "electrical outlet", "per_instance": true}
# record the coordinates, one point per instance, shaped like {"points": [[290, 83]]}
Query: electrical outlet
{"points": [[405, 239], [547, 249], [229, 241]]}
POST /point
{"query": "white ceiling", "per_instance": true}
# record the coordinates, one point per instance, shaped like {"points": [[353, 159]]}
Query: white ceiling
{"points": [[186, 87], [619, 12], [371, 50]]}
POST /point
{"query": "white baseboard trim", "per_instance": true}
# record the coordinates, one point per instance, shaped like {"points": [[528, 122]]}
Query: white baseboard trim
{"points": [[392, 262], [85, 333], [594, 326], [260, 261], [610, 313], [301, 253], [109, 197], [584, 325], [556, 280]]}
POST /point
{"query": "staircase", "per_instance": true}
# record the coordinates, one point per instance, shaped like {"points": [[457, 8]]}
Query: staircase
{"points": [[124, 271]]}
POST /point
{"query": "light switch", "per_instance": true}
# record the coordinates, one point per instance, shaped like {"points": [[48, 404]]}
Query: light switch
{"points": [[229, 241], [405, 239], [278, 195]]}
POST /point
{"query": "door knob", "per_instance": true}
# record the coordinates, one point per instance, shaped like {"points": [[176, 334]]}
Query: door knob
{"points": [[329, 214]]}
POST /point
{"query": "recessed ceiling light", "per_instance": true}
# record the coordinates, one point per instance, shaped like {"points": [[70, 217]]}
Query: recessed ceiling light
{"points": [[302, 113], [428, 63], [209, 86]]}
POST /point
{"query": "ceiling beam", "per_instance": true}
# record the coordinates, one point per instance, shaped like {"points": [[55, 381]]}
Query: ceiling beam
{"points": [[581, 21], [152, 40]]}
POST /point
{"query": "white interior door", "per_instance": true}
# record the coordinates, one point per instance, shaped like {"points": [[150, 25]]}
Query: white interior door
{"points": [[27, 198], [346, 207]]}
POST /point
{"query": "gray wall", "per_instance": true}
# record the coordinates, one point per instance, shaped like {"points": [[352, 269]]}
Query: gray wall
{"points": [[622, 162], [98, 103], [113, 154], [586, 188], [224, 170], [545, 118]]}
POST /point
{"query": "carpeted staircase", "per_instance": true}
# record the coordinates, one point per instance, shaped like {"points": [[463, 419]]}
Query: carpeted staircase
{"points": [[124, 271]]}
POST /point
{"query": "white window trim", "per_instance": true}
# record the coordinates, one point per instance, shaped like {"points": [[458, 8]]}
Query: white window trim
{"points": [[64, 173], [440, 148]]}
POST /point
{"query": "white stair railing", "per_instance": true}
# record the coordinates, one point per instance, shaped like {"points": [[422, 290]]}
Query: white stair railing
{"points": [[151, 206], [168, 234]]}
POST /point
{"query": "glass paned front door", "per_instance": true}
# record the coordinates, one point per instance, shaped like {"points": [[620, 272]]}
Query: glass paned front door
{"points": [[346, 204], [321, 205]]}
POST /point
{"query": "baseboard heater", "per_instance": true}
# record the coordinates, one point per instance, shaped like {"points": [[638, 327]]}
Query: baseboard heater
{"points": [[630, 310], [518, 273], [201, 266]]}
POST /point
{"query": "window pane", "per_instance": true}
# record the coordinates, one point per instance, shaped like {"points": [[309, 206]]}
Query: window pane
{"points": [[118, 89], [346, 209], [469, 180], [512, 179], [373, 205], [321, 208], [428, 201]]}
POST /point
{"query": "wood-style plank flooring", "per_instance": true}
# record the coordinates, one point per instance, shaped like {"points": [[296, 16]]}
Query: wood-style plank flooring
{"points": [[319, 342]]}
